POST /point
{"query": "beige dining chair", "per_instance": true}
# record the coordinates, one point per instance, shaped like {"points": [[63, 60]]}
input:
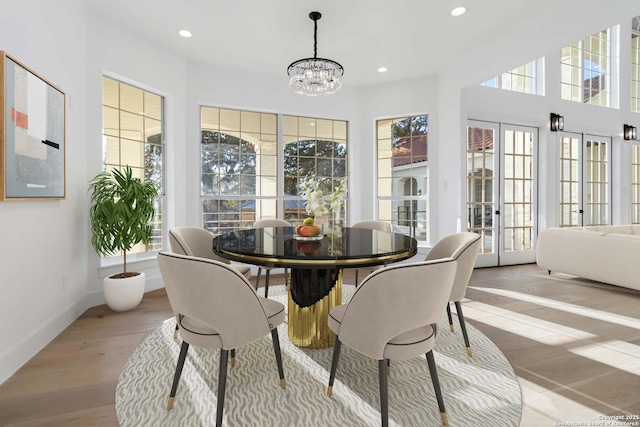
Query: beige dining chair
{"points": [[395, 314], [464, 248], [264, 223], [371, 224], [206, 297], [198, 242]]}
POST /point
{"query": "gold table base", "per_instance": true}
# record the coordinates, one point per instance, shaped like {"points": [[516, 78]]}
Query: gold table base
{"points": [[308, 325]]}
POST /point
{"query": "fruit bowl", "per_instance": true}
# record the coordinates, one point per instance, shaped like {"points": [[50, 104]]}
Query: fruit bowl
{"points": [[308, 238]]}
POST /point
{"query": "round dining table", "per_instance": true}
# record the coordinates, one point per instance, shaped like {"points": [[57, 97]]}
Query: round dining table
{"points": [[315, 264]]}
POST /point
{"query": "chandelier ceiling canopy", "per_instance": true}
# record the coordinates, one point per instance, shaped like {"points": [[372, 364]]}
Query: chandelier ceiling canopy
{"points": [[315, 76]]}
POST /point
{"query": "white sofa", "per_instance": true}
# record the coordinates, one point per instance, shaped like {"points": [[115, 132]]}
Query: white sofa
{"points": [[609, 254]]}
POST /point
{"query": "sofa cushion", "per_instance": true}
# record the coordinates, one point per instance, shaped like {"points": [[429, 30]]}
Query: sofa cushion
{"points": [[625, 236], [607, 229]]}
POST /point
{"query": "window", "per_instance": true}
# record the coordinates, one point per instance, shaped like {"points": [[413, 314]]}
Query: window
{"points": [[586, 70], [313, 148], [240, 179], [635, 64], [132, 122], [239, 172], [403, 173], [526, 79]]}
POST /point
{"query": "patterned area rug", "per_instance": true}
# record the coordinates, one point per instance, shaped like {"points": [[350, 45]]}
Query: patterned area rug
{"points": [[478, 391]]}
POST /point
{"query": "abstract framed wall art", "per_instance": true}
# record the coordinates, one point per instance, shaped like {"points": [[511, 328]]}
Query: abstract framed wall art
{"points": [[32, 135]]}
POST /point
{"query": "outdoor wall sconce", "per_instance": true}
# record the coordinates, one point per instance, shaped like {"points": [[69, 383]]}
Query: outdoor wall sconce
{"points": [[557, 122], [630, 132]]}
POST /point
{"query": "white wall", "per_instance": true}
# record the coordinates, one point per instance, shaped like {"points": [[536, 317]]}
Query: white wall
{"points": [[43, 256]]}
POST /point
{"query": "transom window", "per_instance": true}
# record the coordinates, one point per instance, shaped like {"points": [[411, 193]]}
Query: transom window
{"points": [[132, 134], [526, 78], [586, 70], [403, 174]]}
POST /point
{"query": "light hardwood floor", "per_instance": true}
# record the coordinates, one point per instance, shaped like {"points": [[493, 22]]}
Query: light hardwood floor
{"points": [[574, 344]]}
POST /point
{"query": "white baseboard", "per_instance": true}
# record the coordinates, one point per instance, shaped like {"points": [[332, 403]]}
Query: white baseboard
{"points": [[19, 354], [16, 356]]}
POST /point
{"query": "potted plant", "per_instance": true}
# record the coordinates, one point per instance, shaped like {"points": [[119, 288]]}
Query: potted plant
{"points": [[122, 208]]}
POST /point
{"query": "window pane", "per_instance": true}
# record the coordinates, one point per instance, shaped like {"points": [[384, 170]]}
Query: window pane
{"points": [[314, 149], [402, 169]]}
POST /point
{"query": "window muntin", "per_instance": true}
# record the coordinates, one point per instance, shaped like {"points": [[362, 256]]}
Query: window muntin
{"points": [[525, 78], [240, 155], [586, 70], [132, 134], [403, 172]]}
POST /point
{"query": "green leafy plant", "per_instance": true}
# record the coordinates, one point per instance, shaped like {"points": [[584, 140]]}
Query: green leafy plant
{"points": [[122, 208]]}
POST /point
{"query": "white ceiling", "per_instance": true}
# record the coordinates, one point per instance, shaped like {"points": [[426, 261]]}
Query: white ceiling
{"points": [[410, 37]]}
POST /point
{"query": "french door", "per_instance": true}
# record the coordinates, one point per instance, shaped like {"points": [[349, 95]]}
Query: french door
{"points": [[585, 180], [501, 191]]}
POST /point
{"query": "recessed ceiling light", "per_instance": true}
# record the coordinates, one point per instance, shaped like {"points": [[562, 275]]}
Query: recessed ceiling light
{"points": [[458, 11], [382, 69], [185, 33]]}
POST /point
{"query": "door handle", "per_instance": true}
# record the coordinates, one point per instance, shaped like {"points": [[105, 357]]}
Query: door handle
{"points": [[497, 212]]}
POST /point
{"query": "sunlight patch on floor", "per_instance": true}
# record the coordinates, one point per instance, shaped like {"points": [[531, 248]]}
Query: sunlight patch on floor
{"points": [[618, 319], [526, 326]]}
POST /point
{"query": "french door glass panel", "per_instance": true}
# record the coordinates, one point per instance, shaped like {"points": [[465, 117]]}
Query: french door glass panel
{"points": [[635, 184], [501, 191], [585, 180], [482, 188]]}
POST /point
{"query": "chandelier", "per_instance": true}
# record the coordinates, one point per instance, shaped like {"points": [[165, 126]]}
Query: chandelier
{"points": [[315, 76]]}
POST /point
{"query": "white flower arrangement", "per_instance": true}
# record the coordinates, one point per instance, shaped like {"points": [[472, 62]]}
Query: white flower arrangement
{"points": [[315, 204]]}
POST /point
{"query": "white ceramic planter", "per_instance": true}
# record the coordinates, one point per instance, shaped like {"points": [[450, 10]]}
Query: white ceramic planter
{"points": [[124, 294]]}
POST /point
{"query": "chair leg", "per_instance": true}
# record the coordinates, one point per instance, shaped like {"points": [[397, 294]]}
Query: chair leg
{"points": [[463, 327], [267, 275], [384, 395], [276, 348], [286, 276], [334, 366], [175, 333], [233, 357], [258, 278], [449, 316], [436, 387], [222, 383], [176, 376], [356, 278]]}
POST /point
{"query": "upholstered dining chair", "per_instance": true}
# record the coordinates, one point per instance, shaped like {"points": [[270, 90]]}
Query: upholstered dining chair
{"points": [[263, 223], [196, 241], [464, 248], [206, 296], [371, 224], [395, 314]]}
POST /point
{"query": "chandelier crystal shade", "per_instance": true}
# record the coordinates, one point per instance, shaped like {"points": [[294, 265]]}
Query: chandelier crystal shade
{"points": [[315, 76]]}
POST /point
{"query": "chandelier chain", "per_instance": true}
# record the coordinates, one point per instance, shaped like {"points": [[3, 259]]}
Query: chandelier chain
{"points": [[315, 38]]}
